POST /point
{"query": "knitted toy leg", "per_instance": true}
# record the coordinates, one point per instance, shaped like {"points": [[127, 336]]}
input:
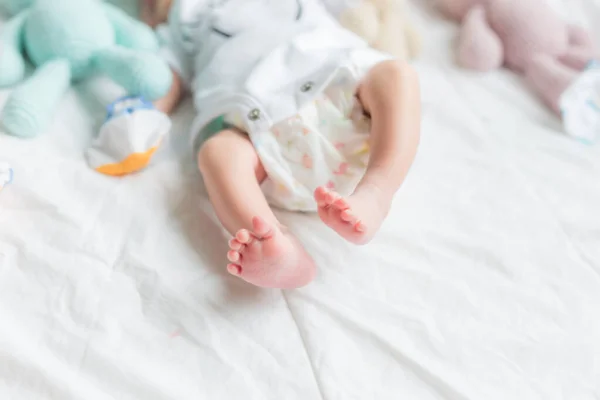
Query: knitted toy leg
{"points": [[31, 105], [140, 73]]}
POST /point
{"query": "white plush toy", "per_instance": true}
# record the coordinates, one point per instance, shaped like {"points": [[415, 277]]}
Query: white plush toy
{"points": [[384, 24]]}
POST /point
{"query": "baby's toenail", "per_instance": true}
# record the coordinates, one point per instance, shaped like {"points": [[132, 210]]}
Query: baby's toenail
{"points": [[242, 236], [233, 256], [234, 269], [341, 204]]}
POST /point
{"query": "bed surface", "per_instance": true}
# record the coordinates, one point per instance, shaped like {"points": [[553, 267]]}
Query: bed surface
{"points": [[483, 284]]}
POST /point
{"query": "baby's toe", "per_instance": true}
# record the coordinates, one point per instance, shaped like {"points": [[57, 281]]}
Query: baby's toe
{"points": [[234, 244], [360, 227], [243, 236], [234, 269], [261, 228], [347, 216], [320, 196], [341, 204], [331, 198], [233, 256]]}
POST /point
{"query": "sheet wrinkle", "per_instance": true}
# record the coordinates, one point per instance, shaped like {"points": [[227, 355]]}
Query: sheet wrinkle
{"points": [[580, 253], [531, 188], [457, 247], [44, 364], [308, 357], [93, 327], [527, 185], [436, 383]]}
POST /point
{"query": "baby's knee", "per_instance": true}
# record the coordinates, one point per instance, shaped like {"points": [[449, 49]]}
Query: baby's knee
{"points": [[210, 153], [386, 82], [223, 148], [394, 71]]}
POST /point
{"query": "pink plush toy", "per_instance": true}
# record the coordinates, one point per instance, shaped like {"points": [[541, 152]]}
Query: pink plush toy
{"points": [[527, 36]]}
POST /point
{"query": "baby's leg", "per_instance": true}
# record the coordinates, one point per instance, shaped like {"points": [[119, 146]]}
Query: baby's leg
{"points": [[262, 251], [390, 94]]}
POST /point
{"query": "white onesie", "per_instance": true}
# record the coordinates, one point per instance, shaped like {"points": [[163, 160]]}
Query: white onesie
{"points": [[286, 73]]}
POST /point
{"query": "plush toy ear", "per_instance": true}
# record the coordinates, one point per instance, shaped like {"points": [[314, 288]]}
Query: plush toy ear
{"points": [[13, 7], [12, 62]]}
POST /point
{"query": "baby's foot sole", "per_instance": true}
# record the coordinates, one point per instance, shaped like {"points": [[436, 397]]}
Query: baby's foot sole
{"points": [[356, 218], [267, 257]]}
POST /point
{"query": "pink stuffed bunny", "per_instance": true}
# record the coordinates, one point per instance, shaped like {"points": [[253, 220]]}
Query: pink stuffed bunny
{"points": [[527, 36]]}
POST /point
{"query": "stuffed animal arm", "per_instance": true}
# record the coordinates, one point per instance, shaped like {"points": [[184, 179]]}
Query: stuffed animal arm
{"points": [[140, 74], [12, 63], [130, 33], [132, 64]]}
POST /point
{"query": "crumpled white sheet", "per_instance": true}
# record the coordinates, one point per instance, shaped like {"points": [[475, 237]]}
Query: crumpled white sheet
{"points": [[483, 284], [6, 174]]}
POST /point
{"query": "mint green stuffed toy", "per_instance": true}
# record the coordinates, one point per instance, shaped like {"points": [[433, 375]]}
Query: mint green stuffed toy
{"points": [[12, 7], [68, 41]]}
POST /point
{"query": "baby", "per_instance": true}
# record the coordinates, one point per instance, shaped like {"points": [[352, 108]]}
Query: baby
{"points": [[314, 120]]}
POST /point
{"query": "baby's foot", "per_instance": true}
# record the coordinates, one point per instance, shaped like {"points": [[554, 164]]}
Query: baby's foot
{"points": [[268, 257], [356, 218]]}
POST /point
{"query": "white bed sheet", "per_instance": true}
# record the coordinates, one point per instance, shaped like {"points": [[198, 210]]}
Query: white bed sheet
{"points": [[483, 284]]}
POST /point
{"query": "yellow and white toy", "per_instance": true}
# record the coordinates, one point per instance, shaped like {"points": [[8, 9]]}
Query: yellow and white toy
{"points": [[129, 138]]}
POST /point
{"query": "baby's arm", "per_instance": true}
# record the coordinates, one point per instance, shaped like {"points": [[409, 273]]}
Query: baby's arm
{"points": [[170, 101]]}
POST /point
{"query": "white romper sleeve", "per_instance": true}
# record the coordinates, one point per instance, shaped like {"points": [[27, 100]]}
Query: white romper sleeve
{"points": [[179, 42]]}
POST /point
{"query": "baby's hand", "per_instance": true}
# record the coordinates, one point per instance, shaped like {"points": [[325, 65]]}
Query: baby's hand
{"points": [[154, 12]]}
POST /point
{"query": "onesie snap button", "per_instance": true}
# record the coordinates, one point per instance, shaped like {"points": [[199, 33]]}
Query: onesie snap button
{"points": [[254, 115], [306, 87]]}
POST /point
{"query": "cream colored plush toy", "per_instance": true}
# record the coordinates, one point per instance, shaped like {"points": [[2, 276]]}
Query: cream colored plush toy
{"points": [[384, 24]]}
